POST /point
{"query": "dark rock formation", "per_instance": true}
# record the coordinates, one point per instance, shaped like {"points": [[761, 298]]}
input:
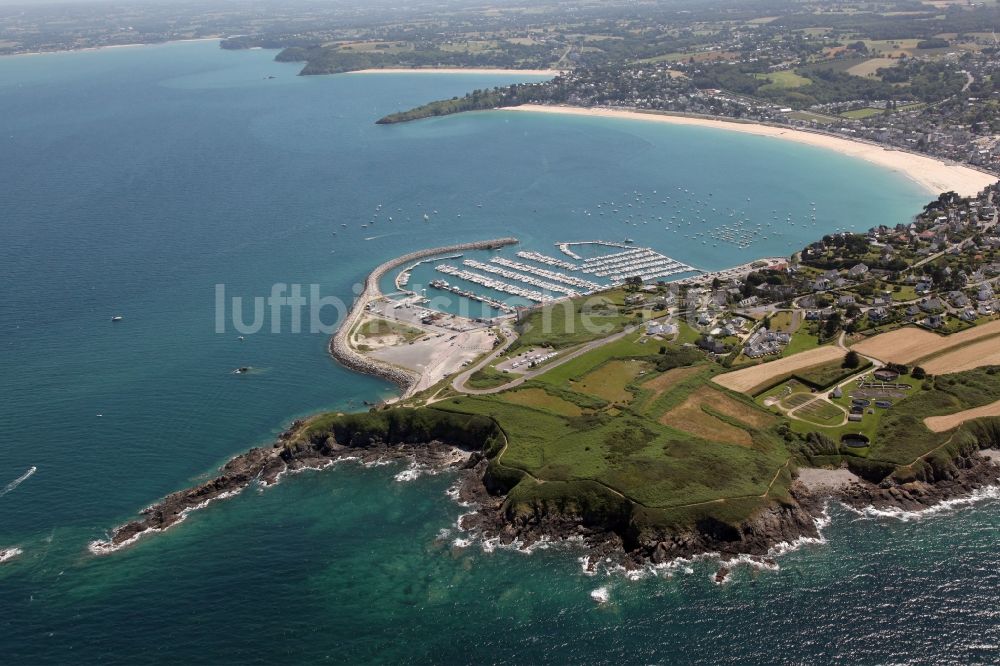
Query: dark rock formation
{"points": [[606, 530]]}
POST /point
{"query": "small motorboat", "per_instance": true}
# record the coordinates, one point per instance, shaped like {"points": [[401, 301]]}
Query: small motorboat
{"points": [[117, 318]]}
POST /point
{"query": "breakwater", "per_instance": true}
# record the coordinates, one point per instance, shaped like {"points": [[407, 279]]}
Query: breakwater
{"points": [[340, 343]]}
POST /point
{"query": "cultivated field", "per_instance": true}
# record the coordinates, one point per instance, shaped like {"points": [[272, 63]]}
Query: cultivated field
{"points": [[535, 397], [869, 67], [796, 400], [749, 378], [975, 355], [906, 345], [949, 421], [663, 383], [609, 381], [821, 412], [900, 346], [690, 416]]}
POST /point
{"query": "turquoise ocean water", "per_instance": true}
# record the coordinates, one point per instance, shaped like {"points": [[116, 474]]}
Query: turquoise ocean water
{"points": [[132, 181]]}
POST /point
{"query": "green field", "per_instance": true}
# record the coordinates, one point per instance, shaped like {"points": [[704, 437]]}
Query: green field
{"points": [[901, 436], [487, 378], [783, 79], [638, 428], [628, 347], [813, 117], [575, 321], [802, 340], [827, 374], [858, 114], [781, 321]]}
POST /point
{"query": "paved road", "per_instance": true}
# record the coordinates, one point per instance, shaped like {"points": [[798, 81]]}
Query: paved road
{"points": [[459, 383]]}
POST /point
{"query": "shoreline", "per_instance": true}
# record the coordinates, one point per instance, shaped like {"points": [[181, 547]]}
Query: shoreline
{"points": [[932, 174], [458, 70], [113, 46], [340, 346], [266, 465], [774, 531]]}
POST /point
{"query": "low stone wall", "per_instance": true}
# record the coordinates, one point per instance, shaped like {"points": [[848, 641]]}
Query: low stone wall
{"points": [[340, 345]]}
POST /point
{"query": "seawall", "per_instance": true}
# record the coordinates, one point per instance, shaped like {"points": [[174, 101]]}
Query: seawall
{"points": [[340, 345]]}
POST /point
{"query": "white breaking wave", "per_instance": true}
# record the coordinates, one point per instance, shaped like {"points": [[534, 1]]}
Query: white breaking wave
{"points": [[454, 492], [601, 595], [7, 554], [10, 487], [989, 492], [785, 547], [107, 547]]}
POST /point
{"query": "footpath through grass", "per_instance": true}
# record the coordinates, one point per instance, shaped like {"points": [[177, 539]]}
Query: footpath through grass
{"points": [[597, 420]]}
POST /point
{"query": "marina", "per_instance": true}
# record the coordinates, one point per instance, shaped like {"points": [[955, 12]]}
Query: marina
{"points": [[544, 283], [443, 285], [403, 278], [643, 262], [520, 277], [545, 259], [491, 283], [544, 273]]}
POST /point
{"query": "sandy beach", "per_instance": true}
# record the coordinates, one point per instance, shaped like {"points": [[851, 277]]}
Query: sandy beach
{"points": [[933, 175], [113, 46], [458, 70]]}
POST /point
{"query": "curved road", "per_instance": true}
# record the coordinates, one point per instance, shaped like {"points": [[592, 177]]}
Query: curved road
{"points": [[459, 383]]}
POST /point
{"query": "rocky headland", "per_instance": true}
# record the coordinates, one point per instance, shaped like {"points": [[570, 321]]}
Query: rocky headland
{"points": [[470, 445]]}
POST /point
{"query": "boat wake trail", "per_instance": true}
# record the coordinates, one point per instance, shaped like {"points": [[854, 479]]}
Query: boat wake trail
{"points": [[10, 487]]}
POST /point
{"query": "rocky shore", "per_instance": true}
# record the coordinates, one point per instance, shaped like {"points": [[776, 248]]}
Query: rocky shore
{"points": [[265, 466], [961, 479], [340, 346], [758, 540], [620, 536]]}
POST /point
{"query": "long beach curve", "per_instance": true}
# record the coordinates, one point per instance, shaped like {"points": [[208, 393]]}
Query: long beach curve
{"points": [[340, 346]]}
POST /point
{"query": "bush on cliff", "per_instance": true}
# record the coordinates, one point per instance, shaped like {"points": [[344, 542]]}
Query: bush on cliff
{"points": [[406, 425]]}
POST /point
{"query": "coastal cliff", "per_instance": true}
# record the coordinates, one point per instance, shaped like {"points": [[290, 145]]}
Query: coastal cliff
{"points": [[428, 437], [513, 512]]}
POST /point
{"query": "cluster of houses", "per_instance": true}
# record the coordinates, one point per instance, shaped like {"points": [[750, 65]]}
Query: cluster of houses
{"points": [[942, 269], [661, 328], [764, 342]]}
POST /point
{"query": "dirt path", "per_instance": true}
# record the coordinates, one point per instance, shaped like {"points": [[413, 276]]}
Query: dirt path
{"points": [[720, 500], [825, 396]]}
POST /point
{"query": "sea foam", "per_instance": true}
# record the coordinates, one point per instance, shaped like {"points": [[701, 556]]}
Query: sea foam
{"points": [[7, 554], [10, 487]]}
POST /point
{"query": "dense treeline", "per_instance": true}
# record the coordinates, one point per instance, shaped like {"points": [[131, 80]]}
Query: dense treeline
{"points": [[477, 100], [925, 81], [334, 60], [910, 80], [408, 426], [924, 23]]}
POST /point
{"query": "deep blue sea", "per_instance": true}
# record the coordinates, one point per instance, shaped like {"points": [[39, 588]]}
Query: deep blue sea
{"points": [[133, 181]]}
